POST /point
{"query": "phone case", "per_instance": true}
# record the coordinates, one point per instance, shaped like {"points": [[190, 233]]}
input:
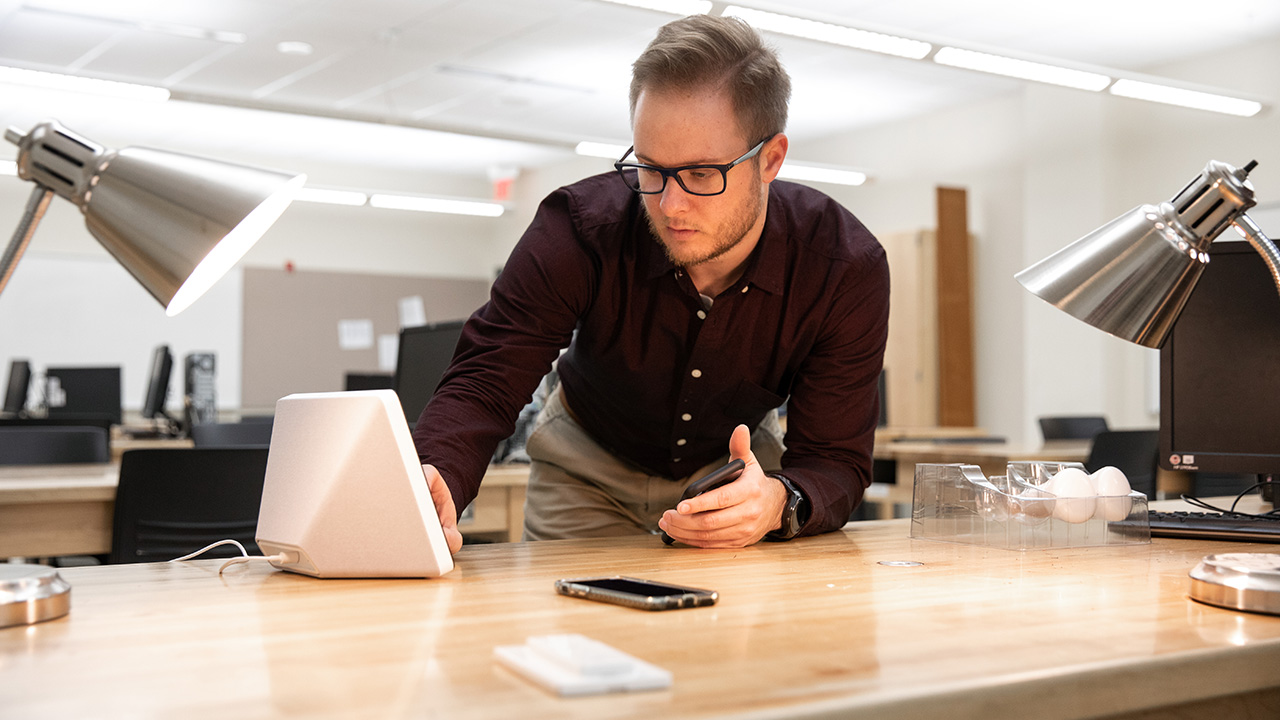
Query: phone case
{"points": [[689, 597]]}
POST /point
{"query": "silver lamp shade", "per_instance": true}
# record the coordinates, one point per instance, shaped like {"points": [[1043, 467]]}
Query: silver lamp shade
{"points": [[1132, 276], [177, 223]]}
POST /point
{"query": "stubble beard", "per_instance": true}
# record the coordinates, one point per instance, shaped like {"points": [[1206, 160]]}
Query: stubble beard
{"points": [[732, 234]]}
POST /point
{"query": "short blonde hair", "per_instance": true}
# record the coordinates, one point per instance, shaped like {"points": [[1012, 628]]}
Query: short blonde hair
{"points": [[722, 54]]}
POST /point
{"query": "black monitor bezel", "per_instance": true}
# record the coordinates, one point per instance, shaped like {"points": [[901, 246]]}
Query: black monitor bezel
{"points": [[1173, 458], [153, 403], [398, 381], [18, 387]]}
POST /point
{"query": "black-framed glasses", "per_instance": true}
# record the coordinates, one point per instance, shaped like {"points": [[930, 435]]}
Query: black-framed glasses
{"points": [[695, 179]]}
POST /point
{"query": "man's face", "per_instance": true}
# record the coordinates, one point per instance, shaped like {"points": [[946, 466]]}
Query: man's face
{"points": [[675, 128]]}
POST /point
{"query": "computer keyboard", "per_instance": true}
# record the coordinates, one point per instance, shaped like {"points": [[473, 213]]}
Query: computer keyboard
{"points": [[1215, 526]]}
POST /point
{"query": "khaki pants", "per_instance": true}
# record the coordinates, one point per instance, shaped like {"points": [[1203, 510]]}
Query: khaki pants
{"points": [[578, 489]]}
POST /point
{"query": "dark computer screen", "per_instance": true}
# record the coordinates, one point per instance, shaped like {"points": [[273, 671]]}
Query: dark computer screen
{"points": [[424, 355], [15, 396], [1219, 385], [84, 392], [158, 383]]}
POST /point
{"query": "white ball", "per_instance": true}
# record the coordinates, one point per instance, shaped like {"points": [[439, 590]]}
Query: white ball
{"points": [[1076, 497]]}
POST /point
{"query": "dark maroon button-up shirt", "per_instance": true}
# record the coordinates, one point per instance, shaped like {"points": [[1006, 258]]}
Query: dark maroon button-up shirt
{"points": [[654, 377]]}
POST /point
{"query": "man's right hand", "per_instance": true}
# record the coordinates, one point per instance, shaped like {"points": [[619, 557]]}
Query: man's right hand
{"points": [[443, 499]]}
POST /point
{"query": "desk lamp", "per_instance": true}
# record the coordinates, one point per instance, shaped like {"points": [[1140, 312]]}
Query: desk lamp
{"points": [[1132, 276], [176, 222]]}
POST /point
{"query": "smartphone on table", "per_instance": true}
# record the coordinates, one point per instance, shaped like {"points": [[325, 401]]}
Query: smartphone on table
{"points": [[637, 593], [709, 482]]}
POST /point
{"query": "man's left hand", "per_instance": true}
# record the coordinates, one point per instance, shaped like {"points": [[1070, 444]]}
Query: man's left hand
{"points": [[734, 515]]}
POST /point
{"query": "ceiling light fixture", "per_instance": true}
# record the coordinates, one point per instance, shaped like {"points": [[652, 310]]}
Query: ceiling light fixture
{"points": [[352, 198], [608, 151], [812, 173], [73, 83], [830, 33], [1022, 69], [675, 7], [294, 47], [436, 205], [1169, 95]]}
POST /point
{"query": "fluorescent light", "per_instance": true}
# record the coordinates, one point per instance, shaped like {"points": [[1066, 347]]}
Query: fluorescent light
{"points": [[810, 173], [829, 33], [675, 7], [600, 150], [294, 47], [1186, 98], [9, 167], [1022, 69], [436, 205], [332, 197], [72, 83]]}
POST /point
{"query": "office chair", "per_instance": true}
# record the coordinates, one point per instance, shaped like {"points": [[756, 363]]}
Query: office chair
{"points": [[53, 444], [174, 501], [241, 434], [1135, 452], [1072, 427]]}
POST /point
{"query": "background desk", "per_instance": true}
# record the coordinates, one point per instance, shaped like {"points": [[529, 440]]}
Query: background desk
{"points": [[51, 510], [813, 628]]}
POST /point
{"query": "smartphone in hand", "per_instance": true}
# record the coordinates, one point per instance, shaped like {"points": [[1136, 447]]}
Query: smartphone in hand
{"points": [[708, 482]]}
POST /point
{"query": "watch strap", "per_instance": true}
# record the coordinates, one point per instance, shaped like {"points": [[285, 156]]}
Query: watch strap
{"points": [[794, 513]]}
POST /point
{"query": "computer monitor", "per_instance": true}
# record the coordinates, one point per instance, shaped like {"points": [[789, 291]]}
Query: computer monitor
{"points": [[1219, 385], [368, 381], [15, 396], [84, 393], [424, 356], [158, 384]]}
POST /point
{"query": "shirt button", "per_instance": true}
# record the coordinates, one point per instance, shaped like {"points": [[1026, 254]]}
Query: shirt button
{"points": [[702, 314], [744, 288], [682, 442], [686, 417], [696, 373]]}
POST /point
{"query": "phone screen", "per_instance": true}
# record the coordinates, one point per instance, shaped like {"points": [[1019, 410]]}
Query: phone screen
{"points": [[635, 588]]}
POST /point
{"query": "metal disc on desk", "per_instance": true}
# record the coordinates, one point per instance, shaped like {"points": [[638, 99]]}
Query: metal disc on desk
{"points": [[1239, 581], [31, 594]]}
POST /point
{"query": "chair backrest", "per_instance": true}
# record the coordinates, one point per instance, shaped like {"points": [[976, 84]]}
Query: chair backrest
{"points": [[53, 444], [1135, 452], [174, 501], [1072, 427], [242, 434]]}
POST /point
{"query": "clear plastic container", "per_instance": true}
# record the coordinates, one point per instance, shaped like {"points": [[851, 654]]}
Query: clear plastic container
{"points": [[957, 503]]}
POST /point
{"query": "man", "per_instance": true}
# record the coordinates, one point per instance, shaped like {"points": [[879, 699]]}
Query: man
{"points": [[695, 295]]}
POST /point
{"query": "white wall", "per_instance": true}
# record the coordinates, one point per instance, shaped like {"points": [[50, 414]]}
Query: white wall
{"points": [[1042, 168]]}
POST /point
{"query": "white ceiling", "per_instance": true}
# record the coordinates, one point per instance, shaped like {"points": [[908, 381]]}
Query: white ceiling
{"points": [[529, 77]]}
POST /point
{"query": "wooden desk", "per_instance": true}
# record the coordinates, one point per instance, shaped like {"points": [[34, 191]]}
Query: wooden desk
{"points": [[813, 628], [51, 510], [991, 457]]}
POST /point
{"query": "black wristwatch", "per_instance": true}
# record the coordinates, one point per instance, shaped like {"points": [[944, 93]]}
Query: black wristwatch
{"points": [[794, 514]]}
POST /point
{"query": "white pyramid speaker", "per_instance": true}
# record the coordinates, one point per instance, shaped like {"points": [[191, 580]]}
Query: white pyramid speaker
{"points": [[344, 494]]}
